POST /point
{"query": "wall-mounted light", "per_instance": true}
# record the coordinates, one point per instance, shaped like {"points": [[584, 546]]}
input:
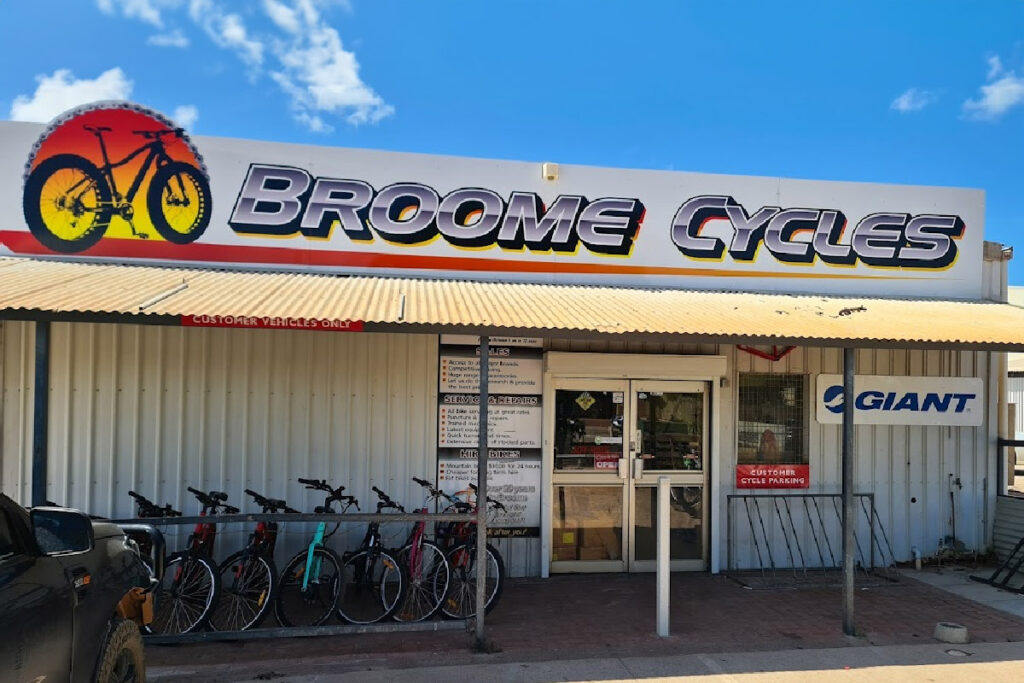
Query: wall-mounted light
{"points": [[549, 171]]}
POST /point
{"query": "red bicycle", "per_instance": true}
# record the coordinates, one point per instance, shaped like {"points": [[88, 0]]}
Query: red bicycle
{"points": [[190, 587]]}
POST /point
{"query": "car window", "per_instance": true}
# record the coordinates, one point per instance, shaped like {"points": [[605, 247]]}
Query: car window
{"points": [[8, 546]]}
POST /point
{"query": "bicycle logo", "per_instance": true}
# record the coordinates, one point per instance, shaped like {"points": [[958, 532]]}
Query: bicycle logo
{"points": [[74, 177]]}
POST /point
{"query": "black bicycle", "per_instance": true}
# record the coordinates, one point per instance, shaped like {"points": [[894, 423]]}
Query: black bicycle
{"points": [[373, 582], [69, 201], [248, 578]]}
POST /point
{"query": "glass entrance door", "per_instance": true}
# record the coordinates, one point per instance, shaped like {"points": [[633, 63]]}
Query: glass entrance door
{"points": [[612, 439], [589, 482], [669, 421]]}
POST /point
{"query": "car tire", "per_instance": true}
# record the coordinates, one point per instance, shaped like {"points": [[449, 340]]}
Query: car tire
{"points": [[121, 660]]}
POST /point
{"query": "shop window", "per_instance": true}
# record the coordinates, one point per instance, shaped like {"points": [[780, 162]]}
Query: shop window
{"points": [[772, 424]]}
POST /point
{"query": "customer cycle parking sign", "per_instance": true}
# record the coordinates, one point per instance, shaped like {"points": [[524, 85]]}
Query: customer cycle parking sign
{"points": [[889, 400]]}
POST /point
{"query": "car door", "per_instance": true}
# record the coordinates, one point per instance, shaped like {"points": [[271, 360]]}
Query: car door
{"points": [[35, 605]]}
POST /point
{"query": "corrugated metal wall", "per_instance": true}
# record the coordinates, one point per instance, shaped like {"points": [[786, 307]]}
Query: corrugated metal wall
{"points": [[1009, 525], [906, 467], [1015, 395], [158, 408]]}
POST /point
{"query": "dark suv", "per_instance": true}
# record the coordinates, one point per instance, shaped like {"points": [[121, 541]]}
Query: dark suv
{"points": [[73, 594]]}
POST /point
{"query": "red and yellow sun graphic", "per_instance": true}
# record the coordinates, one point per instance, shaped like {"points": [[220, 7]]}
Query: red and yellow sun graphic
{"points": [[114, 170]]}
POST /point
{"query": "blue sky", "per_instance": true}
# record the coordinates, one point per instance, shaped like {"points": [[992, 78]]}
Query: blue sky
{"points": [[923, 92]]}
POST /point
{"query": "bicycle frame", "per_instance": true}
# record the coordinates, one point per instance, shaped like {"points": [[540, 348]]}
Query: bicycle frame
{"points": [[312, 560], [154, 151]]}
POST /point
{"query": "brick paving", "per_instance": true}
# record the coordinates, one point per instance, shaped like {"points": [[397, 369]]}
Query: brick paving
{"points": [[581, 616]]}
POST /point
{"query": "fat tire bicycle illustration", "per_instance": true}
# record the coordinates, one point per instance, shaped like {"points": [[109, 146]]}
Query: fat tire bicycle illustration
{"points": [[69, 201]]}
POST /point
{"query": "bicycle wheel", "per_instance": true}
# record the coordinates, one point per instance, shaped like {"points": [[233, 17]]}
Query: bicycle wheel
{"points": [[428, 580], [311, 605], [247, 584], [460, 602], [179, 203], [372, 587], [186, 596], [67, 203]]}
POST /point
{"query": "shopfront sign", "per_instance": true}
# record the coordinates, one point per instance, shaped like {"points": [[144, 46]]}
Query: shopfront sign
{"points": [[142, 190], [768, 476], [888, 400]]}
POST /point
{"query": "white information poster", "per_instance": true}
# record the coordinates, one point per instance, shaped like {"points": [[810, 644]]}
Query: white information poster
{"points": [[514, 424], [507, 375], [514, 482]]}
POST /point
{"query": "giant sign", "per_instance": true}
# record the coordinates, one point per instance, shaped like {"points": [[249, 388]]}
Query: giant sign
{"points": [[888, 400], [116, 181]]}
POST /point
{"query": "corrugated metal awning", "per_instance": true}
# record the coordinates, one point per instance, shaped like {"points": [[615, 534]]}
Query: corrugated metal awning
{"points": [[121, 293]]}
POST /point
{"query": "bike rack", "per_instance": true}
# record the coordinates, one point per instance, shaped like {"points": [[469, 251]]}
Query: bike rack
{"points": [[308, 631], [794, 537]]}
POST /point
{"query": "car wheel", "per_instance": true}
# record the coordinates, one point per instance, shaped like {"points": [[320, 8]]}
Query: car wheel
{"points": [[121, 660]]}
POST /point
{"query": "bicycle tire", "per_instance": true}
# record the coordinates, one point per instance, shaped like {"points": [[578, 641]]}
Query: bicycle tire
{"points": [[36, 218], [460, 601], [185, 599], [163, 180], [257, 583], [367, 600], [312, 607], [427, 584]]}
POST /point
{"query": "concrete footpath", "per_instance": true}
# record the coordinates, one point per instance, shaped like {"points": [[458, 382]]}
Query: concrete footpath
{"points": [[601, 627], [989, 662]]}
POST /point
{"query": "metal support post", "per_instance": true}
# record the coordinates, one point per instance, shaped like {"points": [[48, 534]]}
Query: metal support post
{"points": [[40, 412], [481, 498], [849, 515], [663, 553]]}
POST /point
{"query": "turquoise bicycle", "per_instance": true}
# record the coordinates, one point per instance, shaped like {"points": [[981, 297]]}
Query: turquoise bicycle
{"points": [[311, 581]]}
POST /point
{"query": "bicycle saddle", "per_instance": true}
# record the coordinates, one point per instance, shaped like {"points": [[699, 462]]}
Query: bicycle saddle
{"points": [[96, 130]]}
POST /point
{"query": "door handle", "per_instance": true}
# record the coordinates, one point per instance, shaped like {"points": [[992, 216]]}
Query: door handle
{"points": [[638, 468], [623, 468]]}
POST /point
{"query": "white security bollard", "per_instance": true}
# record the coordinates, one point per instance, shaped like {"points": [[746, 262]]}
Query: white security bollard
{"points": [[664, 513]]}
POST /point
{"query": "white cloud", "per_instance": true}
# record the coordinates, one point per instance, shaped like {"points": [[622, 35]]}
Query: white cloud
{"points": [[302, 53], [185, 115], [320, 76], [1004, 91], [57, 93], [173, 39], [143, 10], [914, 99], [281, 14], [227, 30]]}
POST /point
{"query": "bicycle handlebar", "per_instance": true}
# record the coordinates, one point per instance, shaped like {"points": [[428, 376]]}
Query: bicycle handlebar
{"points": [[496, 504], [155, 134]]}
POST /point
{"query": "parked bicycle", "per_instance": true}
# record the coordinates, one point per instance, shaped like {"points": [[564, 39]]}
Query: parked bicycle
{"points": [[372, 581], [459, 539], [69, 201], [425, 566], [311, 580], [248, 578], [189, 589]]}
